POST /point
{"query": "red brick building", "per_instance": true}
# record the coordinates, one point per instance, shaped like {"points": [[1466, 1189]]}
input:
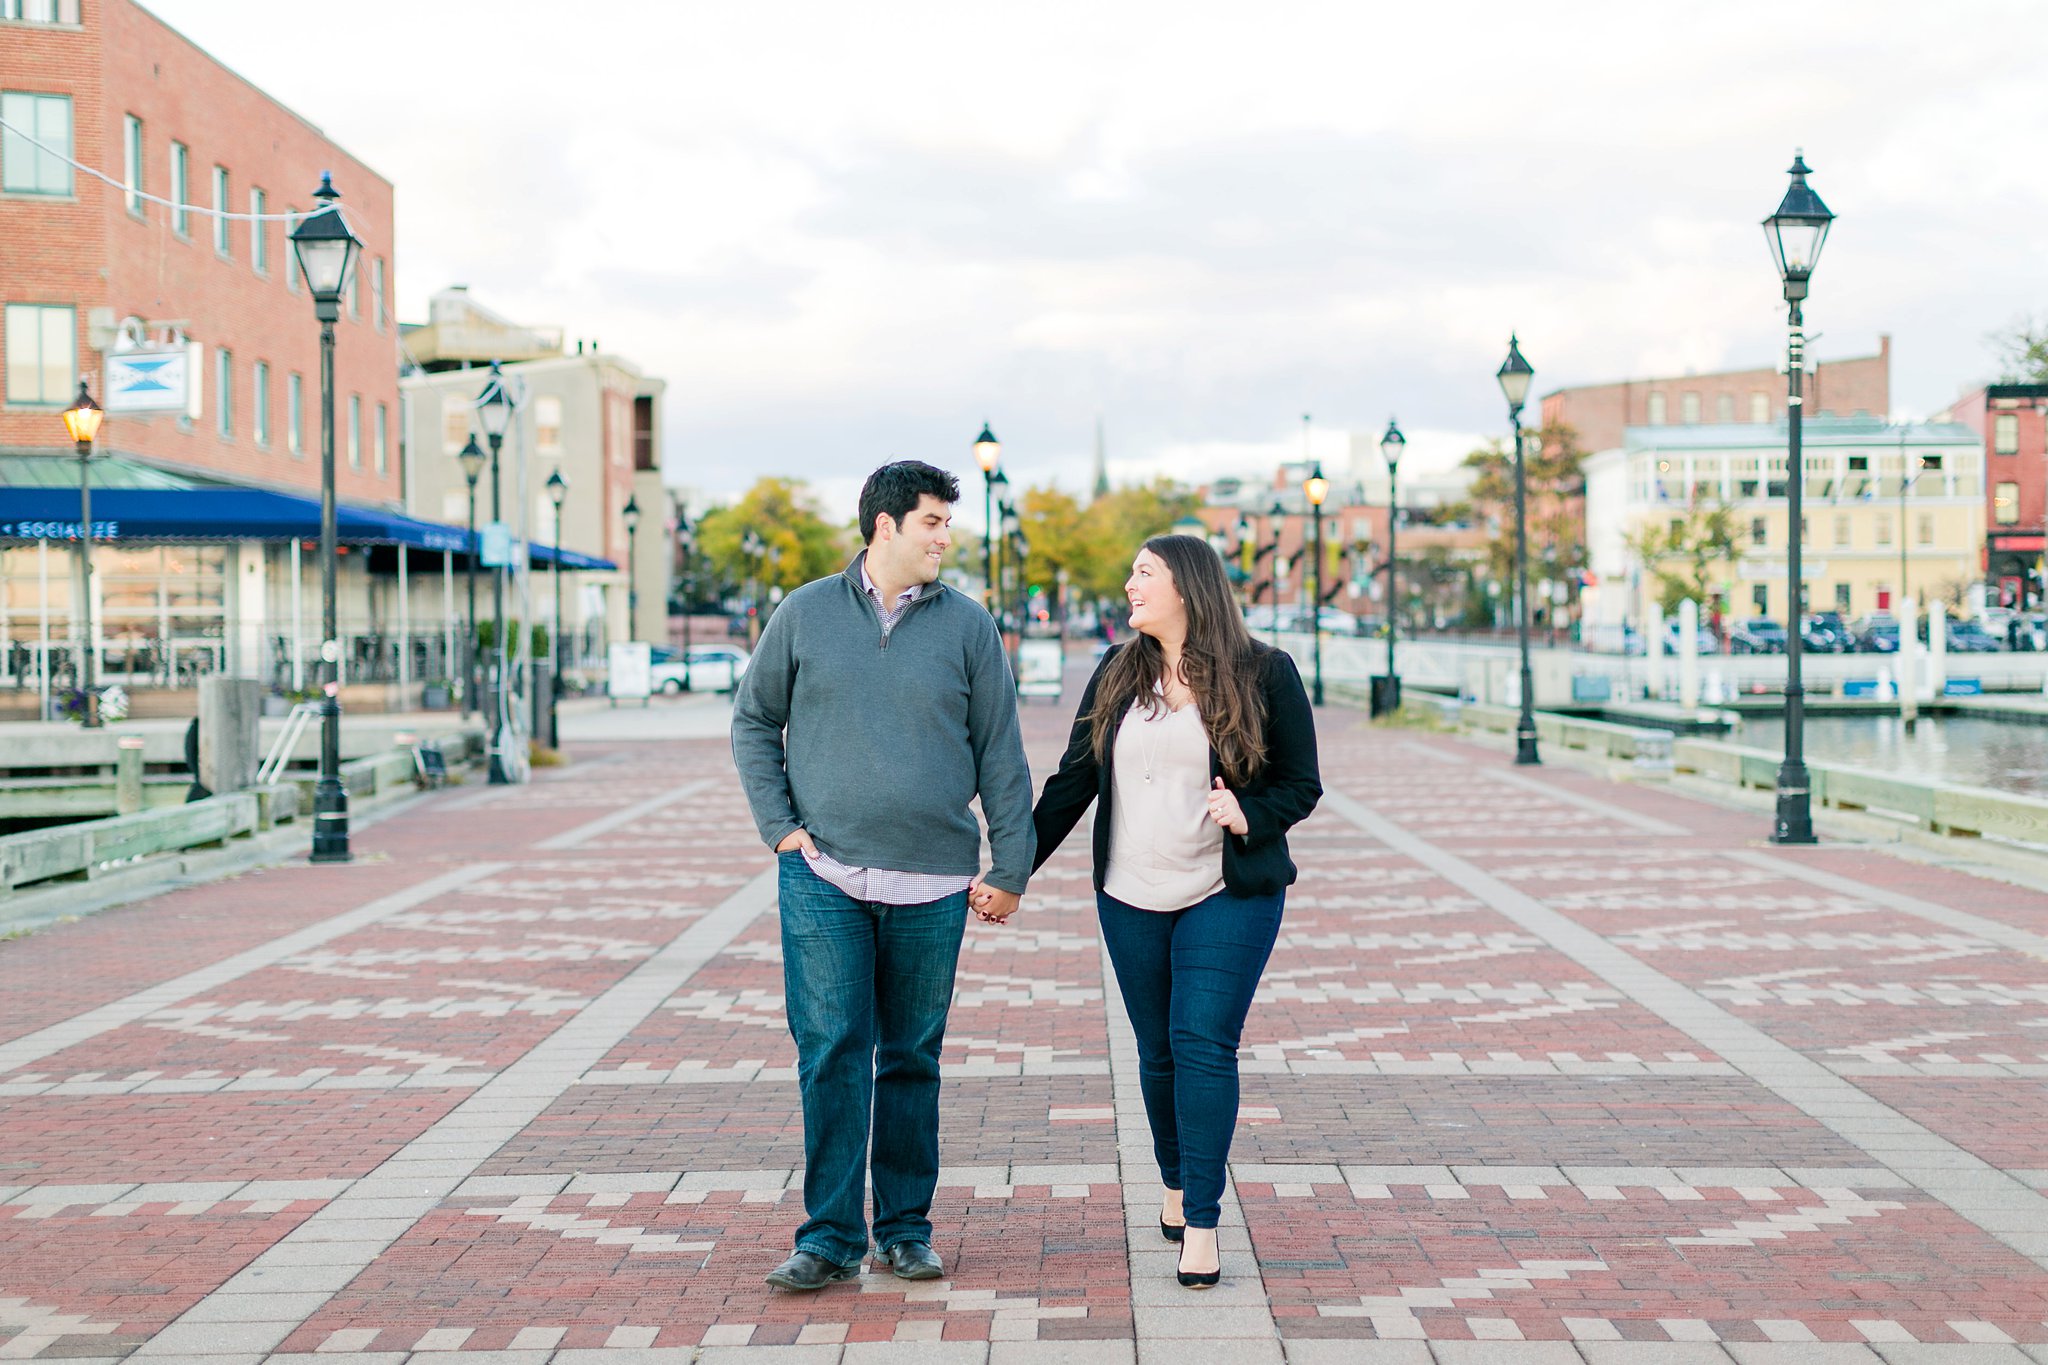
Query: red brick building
{"points": [[118, 90], [1599, 412], [2012, 419]]}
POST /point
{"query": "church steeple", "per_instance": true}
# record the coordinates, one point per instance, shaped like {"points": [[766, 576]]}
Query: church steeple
{"points": [[1101, 462]]}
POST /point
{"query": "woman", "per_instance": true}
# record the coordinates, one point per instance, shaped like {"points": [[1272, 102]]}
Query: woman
{"points": [[1198, 748]]}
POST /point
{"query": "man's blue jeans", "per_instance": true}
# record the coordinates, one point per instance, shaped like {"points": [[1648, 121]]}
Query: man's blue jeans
{"points": [[1187, 978], [868, 986]]}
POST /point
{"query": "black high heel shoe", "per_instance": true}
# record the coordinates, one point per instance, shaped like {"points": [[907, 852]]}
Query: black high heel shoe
{"points": [[1207, 1280], [1171, 1231]]}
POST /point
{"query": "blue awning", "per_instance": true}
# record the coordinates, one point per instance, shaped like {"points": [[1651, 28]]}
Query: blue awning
{"points": [[571, 559], [224, 514]]}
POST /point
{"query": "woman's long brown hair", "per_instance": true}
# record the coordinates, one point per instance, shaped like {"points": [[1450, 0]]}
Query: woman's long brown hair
{"points": [[1216, 659]]}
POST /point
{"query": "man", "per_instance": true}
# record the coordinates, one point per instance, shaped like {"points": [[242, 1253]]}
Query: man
{"points": [[878, 705]]}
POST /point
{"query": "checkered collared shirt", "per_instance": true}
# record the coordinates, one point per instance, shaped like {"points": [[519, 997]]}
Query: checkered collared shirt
{"points": [[884, 886]]}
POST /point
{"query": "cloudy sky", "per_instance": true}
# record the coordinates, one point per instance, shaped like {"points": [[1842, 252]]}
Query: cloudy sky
{"points": [[848, 233]]}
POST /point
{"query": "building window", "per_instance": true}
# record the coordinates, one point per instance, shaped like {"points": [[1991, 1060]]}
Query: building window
{"points": [[382, 434], [224, 385], [221, 241], [1842, 598], [40, 11], [260, 397], [294, 414], [131, 164], [1656, 409], [1689, 409], [1759, 531], [1859, 464], [42, 354], [547, 424], [1931, 463], [1747, 488], [355, 431], [1724, 408], [1759, 408], [291, 258], [259, 232], [181, 188], [26, 168], [1842, 538], [1923, 530], [2005, 434], [355, 309], [377, 292], [455, 412], [2005, 505], [1884, 528]]}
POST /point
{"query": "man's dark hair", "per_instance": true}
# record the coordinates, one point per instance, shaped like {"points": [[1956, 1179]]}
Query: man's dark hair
{"points": [[894, 490]]}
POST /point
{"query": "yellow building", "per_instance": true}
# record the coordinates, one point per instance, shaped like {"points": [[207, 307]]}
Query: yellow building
{"points": [[1888, 509]]}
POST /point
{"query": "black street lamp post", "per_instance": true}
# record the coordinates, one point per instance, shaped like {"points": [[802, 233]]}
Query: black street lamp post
{"points": [[1796, 233], [472, 458], [1012, 601], [988, 453], [326, 249], [1317, 488], [494, 409], [999, 486], [82, 420], [686, 543], [630, 514], [1278, 516], [558, 493], [1514, 375], [756, 552], [1391, 446]]}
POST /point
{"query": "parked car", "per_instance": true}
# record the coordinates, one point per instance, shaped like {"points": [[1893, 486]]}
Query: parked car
{"points": [[1704, 636], [1756, 635], [1967, 637], [1709, 645], [1825, 632], [713, 668], [1877, 633]]}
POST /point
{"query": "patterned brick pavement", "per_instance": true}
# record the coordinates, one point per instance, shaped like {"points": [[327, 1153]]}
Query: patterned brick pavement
{"points": [[1544, 1069]]}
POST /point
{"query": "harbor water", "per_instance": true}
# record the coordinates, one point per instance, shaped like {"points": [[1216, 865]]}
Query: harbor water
{"points": [[1968, 751]]}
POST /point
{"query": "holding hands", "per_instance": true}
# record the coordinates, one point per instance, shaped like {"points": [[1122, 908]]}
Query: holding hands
{"points": [[991, 905], [1225, 811]]}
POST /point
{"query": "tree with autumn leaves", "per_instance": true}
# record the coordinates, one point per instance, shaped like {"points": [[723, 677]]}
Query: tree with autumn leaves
{"points": [[1093, 544], [1556, 514]]}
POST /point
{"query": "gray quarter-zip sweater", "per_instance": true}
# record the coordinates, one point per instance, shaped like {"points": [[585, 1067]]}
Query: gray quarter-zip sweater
{"points": [[877, 743]]}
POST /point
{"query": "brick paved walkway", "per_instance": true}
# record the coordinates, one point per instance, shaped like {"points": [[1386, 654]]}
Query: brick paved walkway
{"points": [[1544, 1069]]}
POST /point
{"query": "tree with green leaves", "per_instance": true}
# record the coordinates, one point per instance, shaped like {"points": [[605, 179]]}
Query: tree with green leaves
{"points": [[2023, 352], [798, 543], [1117, 524], [1682, 551]]}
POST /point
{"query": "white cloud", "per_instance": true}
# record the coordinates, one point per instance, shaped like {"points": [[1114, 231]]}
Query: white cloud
{"points": [[850, 233]]}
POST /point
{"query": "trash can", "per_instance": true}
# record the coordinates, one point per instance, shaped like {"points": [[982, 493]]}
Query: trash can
{"points": [[1386, 694]]}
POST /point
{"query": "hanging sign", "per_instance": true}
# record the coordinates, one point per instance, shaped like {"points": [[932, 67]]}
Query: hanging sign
{"points": [[495, 543], [148, 379]]}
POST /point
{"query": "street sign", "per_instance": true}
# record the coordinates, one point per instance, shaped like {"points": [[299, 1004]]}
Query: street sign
{"points": [[1039, 666], [495, 544], [629, 671], [148, 379]]}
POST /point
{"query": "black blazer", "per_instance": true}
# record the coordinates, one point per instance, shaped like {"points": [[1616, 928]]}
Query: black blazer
{"points": [[1255, 863]]}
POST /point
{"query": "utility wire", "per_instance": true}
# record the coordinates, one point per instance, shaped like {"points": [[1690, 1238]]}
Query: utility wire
{"points": [[137, 193]]}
